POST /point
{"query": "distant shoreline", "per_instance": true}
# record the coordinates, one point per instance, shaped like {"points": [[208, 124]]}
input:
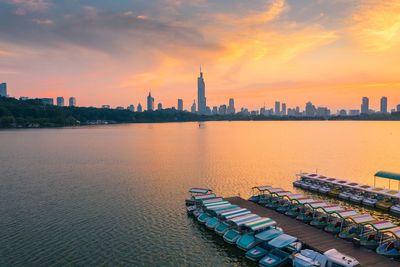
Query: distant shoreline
{"points": [[28, 114]]}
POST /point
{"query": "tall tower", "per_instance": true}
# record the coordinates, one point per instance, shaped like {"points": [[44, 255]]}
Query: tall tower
{"points": [[150, 102], [384, 104], [201, 94], [365, 105]]}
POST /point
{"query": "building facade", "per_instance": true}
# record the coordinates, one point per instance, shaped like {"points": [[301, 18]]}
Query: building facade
{"points": [[201, 94], [3, 89], [193, 108], [231, 107], [180, 105], [150, 102], [384, 104], [60, 101], [277, 108], [72, 101], [139, 108], [365, 105]]}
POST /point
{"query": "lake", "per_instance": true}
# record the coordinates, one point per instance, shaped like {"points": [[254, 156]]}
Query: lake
{"points": [[114, 195]]}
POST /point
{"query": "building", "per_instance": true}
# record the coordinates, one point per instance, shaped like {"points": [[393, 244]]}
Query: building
{"points": [[310, 110], [139, 108], [398, 108], [277, 108], [159, 106], [354, 112], [47, 101], [3, 89], [193, 108], [342, 112], [60, 101], [222, 110], [284, 109], [214, 110], [119, 108], [180, 105], [384, 105], [150, 102], [72, 101], [208, 110], [323, 112], [231, 107], [201, 94], [131, 108], [365, 105], [23, 98], [105, 106]]}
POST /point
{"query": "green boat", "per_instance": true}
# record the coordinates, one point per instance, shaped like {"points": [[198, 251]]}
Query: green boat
{"points": [[257, 229], [293, 212], [355, 228], [372, 233], [305, 217], [320, 222], [258, 252]]}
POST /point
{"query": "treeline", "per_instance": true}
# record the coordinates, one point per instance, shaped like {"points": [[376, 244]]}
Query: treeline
{"points": [[33, 114]]}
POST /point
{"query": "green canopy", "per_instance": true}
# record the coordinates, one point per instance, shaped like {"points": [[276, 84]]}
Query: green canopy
{"points": [[388, 175]]}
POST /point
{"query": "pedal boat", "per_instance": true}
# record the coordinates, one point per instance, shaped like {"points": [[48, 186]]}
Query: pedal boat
{"points": [[261, 226], [224, 224], [391, 247], [332, 257], [282, 247], [372, 233], [355, 227], [234, 233]]}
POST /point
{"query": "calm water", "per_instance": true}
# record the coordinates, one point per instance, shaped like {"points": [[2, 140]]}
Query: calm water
{"points": [[114, 195]]}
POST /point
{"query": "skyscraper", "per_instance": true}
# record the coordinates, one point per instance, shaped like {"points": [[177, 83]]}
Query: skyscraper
{"points": [[201, 94], [193, 108], [365, 105], [60, 101], [159, 106], [277, 108], [284, 109], [384, 103], [72, 101], [150, 102], [3, 89], [131, 108], [310, 110], [139, 108], [180, 105], [231, 107]]}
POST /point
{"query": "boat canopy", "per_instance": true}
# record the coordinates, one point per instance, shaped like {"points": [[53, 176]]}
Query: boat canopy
{"points": [[243, 219], [331, 209], [227, 208], [211, 200], [315, 205], [388, 175], [227, 213], [345, 214], [200, 190], [395, 231], [305, 200], [268, 234], [381, 225], [206, 196], [261, 223], [275, 190], [262, 188], [213, 204], [362, 218], [282, 193], [295, 196], [282, 241], [237, 213]]}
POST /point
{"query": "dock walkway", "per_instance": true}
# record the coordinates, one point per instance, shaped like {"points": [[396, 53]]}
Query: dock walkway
{"points": [[315, 238]]}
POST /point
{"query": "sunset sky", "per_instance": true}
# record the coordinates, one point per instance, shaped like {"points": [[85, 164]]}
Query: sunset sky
{"points": [[331, 52]]}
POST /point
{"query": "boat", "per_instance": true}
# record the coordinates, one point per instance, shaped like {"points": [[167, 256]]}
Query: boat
{"points": [[282, 247], [390, 247], [332, 257], [255, 254], [258, 192], [337, 221], [234, 233], [357, 198], [315, 187], [323, 215], [372, 233], [297, 183], [334, 192], [260, 227], [355, 226], [324, 189], [345, 195], [369, 200], [297, 207], [395, 209], [309, 208], [197, 194], [223, 225]]}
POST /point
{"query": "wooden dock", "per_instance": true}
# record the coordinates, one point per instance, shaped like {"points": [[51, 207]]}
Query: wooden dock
{"points": [[316, 238]]}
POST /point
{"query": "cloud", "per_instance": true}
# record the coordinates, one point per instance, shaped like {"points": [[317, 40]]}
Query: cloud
{"points": [[375, 25], [25, 6], [43, 21]]}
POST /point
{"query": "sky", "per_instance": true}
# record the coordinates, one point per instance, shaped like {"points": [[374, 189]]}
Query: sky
{"points": [[330, 52]]}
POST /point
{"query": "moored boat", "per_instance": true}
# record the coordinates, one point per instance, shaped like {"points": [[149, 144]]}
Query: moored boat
{"points": [[390, 247], [281, 248], [332, 257], [260, 227]]}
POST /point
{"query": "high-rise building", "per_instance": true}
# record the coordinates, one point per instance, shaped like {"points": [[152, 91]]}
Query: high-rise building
{"points": [[47, 101], [180, 104], [139, 108], [284, 109], [60, 101], [323, 112], [72, 101], [365, 105], [3, 89], [193, 108], [215, 110], [277, 108], [398, 108], [201, 94], [231, 107], [310, 110], [131, 108], [150, 102], [384, 104], [222, 110], [159, 106]]}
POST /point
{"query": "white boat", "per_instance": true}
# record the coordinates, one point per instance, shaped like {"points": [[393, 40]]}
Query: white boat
{"points": [[306, 185], [395, 209], [324, 189], [314, 187], [356, 198], [369, 201], [345, 195], [297, 183], [332, 257]]}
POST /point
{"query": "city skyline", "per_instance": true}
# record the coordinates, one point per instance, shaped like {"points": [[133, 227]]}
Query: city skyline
{"points": [[327, 52]]}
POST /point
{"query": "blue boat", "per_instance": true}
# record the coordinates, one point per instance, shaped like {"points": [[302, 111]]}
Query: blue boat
{"points": [[248, 240], [204, 217], [391, 248], [232, 235], [256, 253], [212, 223], [224, 226], [282, 247]]}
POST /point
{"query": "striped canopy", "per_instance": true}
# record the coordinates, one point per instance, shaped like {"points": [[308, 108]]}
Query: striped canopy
{"points": [[200, 190], [206, 196], [362, 218], [261, 223]]}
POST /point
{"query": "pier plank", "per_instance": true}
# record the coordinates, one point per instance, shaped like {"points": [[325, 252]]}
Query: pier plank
{"points": [[316, 238]]}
